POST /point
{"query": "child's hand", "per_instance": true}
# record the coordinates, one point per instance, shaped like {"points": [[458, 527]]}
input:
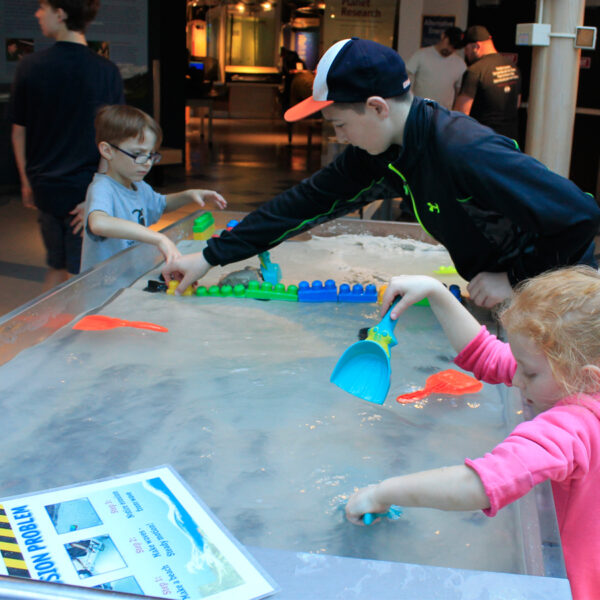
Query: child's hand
{"points": [[412, 288], [186, 269], [203, 196], [78, 215], [489, 289], [364, 501], [168, 249]]}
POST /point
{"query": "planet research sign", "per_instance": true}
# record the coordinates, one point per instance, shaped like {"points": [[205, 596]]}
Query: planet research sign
{"points": [[369, 19]]}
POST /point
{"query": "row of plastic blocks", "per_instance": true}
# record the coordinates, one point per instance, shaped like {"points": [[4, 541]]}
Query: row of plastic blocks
{"points": [[327, 292], [204, 226], [255, 289]]}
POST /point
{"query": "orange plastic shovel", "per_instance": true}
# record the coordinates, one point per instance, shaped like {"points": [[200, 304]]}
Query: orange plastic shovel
{"points": [[445, 382], [102, 322]]}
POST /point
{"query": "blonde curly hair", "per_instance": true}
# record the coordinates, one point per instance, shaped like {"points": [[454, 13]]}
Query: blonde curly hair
{"points": [[560, 312]]}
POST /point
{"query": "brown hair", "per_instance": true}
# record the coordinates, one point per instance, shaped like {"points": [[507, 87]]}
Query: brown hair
{"points": [[80, 13], [360, 107], [116, 123], [560, 312]]}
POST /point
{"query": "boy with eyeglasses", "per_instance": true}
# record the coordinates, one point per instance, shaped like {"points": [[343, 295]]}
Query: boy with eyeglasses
{"points": [[119, 204]]}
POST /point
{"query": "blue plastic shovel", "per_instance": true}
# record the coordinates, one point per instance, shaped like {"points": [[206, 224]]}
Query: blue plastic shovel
{"points": [[364, 369]]}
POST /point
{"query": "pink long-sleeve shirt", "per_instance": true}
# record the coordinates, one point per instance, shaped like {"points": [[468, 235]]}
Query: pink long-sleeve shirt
{"points": [[561, 444]]}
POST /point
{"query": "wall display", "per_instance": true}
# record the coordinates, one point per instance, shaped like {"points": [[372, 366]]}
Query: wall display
{"points": [[368, 19], [142, 533], [433, 27], [119, 32]]}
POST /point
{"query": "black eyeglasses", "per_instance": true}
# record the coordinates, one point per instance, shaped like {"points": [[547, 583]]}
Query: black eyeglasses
{"points": [[140, 159]]}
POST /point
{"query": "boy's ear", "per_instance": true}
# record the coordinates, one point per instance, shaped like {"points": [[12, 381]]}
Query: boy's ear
{"points": [[379, 105], [61, 14], [105, 150]]}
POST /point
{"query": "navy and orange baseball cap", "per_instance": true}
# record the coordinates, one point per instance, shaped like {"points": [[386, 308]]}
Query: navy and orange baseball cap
{"points": [[352, 70]]}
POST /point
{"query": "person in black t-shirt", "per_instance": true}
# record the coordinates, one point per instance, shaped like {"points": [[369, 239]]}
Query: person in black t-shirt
{"points": [[54, 99], [491, 87]]}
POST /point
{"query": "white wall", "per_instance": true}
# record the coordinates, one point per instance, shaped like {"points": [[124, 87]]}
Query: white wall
{"points": [[411, 20]]}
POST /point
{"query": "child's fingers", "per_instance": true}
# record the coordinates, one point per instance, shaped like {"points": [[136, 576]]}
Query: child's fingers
{"points": [[389, 296], [404, 302], [188, 279], [170, 272], [219, 200], [355, 519]]}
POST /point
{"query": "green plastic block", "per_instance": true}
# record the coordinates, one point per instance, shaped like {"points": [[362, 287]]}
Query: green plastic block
{"points": [[204, 227], [204, 221], [267, 291], [256, 290], [215, 291]]}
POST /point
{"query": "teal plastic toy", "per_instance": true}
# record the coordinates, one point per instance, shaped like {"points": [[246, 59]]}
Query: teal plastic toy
{"points": [[364, 369], [271, 272], [392, 514]]}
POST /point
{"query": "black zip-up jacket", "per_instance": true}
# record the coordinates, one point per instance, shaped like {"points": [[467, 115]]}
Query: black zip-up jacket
{"points": [[494, 208]]}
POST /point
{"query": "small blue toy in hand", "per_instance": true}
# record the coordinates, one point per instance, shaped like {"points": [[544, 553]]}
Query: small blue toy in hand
{"points": [[392, 514]]}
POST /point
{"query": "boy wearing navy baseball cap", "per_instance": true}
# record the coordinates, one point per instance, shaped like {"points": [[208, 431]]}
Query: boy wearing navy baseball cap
{"points": [[502, 215]]}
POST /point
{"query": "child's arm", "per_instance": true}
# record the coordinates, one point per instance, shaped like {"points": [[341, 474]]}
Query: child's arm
{"points": [[174, 201], [448, 488], [458, 323], [102, 224]]}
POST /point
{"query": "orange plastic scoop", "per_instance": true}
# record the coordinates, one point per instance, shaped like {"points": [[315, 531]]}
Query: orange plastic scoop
{"points": [[102, 322], [444, 382]]}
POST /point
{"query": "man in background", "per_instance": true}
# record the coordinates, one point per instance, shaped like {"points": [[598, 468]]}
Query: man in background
{"points": [[54, 99], [491, 88], [436, 72]]}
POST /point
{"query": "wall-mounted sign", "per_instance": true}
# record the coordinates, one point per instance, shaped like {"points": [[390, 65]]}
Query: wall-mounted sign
{"points": [[433, 27], [368, 19]]}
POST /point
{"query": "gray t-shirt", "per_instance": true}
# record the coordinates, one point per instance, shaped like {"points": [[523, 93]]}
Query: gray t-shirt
{"points": [[140, 204], [435, 76]]}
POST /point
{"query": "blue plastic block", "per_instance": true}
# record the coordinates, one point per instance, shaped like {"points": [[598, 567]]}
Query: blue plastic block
{"points": [[357, 293], [231, 224], [455, 290], [317, 292]]}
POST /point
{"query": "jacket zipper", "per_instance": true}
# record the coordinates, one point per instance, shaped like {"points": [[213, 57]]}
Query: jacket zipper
{"points": [[409, 193]]}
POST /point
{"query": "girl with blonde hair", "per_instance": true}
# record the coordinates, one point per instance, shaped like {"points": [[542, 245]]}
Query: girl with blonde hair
{"points": [[553, 356]]}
